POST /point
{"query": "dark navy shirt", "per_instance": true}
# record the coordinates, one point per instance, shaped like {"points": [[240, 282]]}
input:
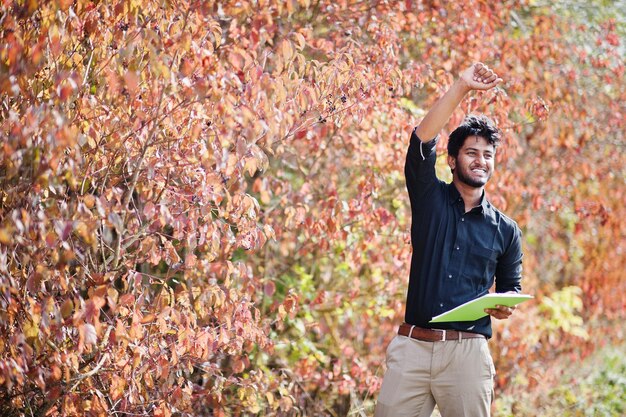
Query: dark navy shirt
{"points": [[456, 255]]}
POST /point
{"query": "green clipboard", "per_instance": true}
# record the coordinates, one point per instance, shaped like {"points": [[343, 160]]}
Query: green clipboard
{"points": [[475, 309]]}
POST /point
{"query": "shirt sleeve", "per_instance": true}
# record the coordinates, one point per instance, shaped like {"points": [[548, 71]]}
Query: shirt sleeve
{"points": [[419, 168], [509, 268]]}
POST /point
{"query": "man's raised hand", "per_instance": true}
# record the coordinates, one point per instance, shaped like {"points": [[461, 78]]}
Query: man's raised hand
{"points": [[480, 77], [476, 77]]}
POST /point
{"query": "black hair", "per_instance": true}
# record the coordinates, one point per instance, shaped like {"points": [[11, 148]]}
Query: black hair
{"points": [[473, 125]]}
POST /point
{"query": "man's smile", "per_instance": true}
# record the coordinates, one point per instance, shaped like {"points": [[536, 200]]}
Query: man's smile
{"points": [[479, 170]]}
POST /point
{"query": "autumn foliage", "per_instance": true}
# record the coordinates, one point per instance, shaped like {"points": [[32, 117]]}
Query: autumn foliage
{"points": [[202, 204]]}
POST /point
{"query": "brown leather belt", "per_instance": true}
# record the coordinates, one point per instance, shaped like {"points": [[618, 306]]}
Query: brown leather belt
{"points": [[434, 335]]}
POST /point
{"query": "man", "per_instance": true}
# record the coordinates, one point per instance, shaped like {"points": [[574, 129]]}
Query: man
{"points": [[460, 242]]}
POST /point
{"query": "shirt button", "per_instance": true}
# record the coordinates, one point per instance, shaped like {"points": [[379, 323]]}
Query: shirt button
{"points": [[457, 248], [450, 276], [462, 219], [440, 304]]}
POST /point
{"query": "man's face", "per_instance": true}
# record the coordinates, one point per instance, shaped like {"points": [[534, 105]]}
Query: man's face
{"points": [[475, 163]]}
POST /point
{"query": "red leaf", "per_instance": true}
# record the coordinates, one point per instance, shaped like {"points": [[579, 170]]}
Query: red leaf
{"points": [[269, 288]]}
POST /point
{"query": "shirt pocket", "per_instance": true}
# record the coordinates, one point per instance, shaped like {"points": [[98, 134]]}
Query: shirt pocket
{"points": [[480, 266]]}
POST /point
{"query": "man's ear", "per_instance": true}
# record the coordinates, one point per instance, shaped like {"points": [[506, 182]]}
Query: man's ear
{"points": [[451, 162]]}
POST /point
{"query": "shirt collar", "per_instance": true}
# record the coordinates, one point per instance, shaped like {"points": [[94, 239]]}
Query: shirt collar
{"points": [[455, 196]]}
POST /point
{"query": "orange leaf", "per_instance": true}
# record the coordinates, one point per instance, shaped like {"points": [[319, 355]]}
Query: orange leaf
{"points": [[236, 60], [118, 385]]}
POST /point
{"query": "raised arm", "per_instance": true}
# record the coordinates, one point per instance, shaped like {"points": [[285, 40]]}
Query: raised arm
{"points": [[476, 77]]}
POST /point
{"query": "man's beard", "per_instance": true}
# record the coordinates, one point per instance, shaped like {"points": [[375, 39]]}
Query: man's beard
{"points": [[466, 179]]}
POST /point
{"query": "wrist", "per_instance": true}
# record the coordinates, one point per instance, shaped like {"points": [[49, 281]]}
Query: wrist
{"points": [[462, 86]]}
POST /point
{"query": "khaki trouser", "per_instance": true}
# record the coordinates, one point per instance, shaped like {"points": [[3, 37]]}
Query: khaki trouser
{"points": [[457, 375]]}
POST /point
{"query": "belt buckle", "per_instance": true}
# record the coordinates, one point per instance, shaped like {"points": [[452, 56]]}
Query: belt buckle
{"points": [[443, 334]]}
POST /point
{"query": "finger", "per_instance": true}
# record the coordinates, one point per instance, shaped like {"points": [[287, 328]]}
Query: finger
{"points": [[478, 70], [479, 75], [478, 66], [489, 78], [491, 85], [496, 314], [499, 312], [488, 74]]}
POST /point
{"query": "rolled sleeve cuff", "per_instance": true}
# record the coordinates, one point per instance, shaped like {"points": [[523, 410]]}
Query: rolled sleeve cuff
{"points": [[423, 149]]}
